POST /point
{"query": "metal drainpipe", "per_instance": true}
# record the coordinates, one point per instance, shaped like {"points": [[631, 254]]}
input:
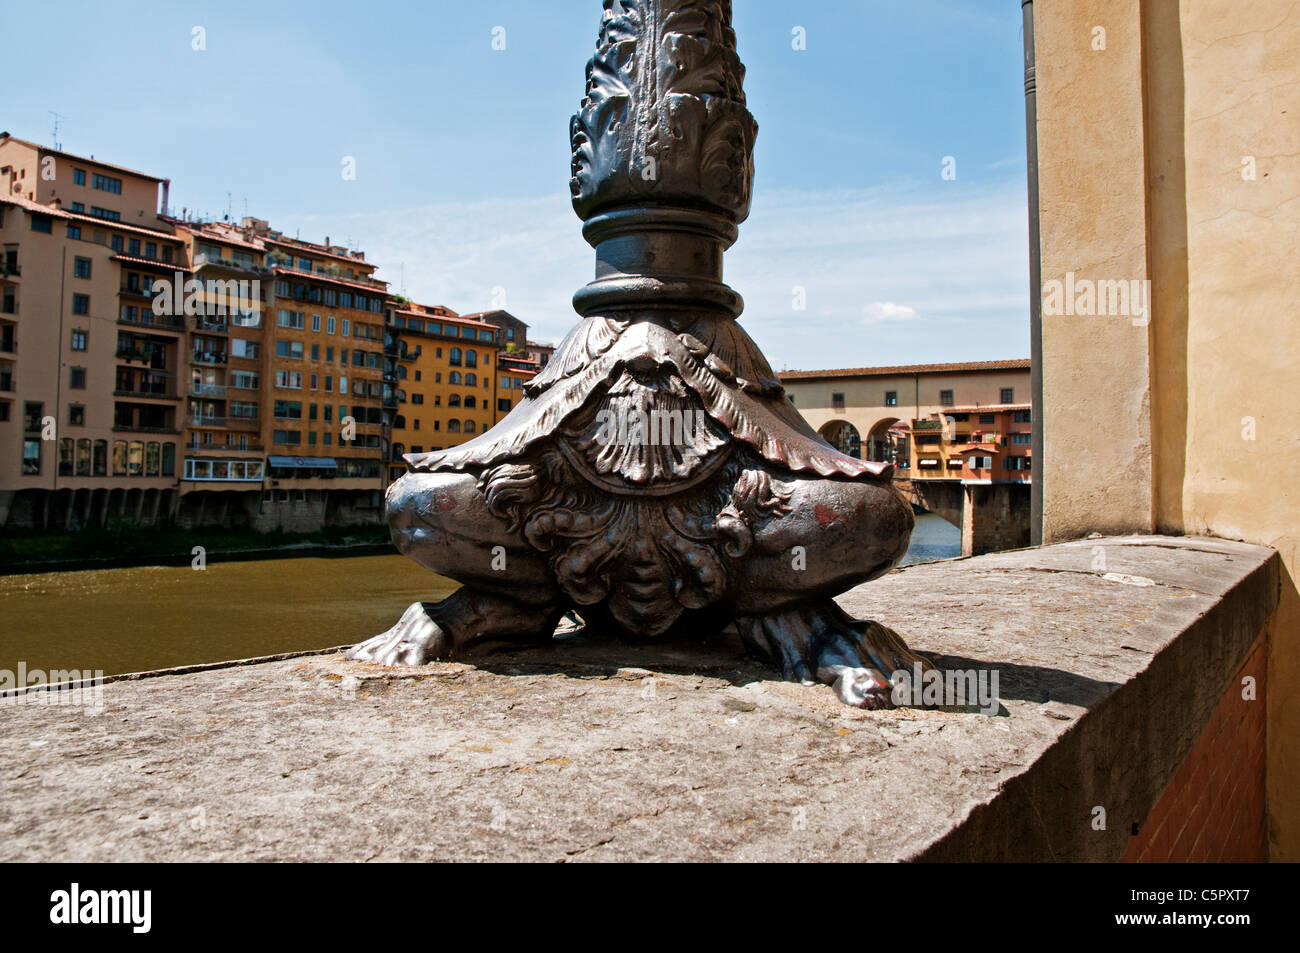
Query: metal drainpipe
{"points": [[1035, 282]]}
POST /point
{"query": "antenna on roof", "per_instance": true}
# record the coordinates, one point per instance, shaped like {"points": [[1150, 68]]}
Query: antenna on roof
{"points": [[229, 200], [57, 145]]}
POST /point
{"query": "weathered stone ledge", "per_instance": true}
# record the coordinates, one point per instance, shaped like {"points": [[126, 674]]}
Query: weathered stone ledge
{"points": [[1111, 654]]}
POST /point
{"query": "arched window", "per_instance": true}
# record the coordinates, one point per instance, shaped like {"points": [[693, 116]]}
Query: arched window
{"points": [[455, 357], [453, 426], [398, 450], [469, 426], [101, 458], [471, 380], [454, 378], [400, 421], [469, 401], [401, 372], [453, 400], [471, 358]]}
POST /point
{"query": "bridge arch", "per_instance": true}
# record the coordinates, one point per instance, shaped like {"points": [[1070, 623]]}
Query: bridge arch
{"points": [[843, 436], [885, 446]]}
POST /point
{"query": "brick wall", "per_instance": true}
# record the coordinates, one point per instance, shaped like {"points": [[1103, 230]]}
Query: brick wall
{"points": [[1213, 809]]}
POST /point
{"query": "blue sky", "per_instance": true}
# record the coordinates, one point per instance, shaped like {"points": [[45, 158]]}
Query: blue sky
{"points": [[462, 154]]}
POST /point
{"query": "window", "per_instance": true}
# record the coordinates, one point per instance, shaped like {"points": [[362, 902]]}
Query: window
{"points": [[469, 426], [74, 231], [79, 340], [454, 357], [503, 404], [107, 214], [314, 382], [288, 409], [1023, 417], [150, 250], [249, 350], [76, 415], [346, 327], [891, 398], [1007, 395], [454, 377], [987, 420], [290, 319], [945, 398], [115, 243], [471, 380], [77, 378], [1022, 439], [290, 380], [106, 183], [78, 176], [44, 224], [100, 458], [31, 457], [133, 247], [329, 325], [291, 438], [291, 349], [315, 322], [453, 426], [471, 358], [417, 398], [453, 400], [470, 401], [837, 401], [79, 207], [81, 267]]}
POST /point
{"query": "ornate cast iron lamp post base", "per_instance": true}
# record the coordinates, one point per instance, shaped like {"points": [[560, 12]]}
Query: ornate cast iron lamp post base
{"points": [[656, 477]]}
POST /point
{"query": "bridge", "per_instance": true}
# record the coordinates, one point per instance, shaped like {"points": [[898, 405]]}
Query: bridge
{"points": [[955, 432], [991, 516]]}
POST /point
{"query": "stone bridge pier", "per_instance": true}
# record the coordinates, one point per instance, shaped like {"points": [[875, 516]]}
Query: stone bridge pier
{"points": [[992, 517]]}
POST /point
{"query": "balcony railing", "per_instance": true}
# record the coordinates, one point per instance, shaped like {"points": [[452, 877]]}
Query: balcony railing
{"points": [[204, 420], [150, 394], [147, 319], [140, 428], [208, 390], [209, 357], [10, 269]]}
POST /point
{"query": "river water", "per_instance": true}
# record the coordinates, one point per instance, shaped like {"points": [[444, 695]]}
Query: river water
{"points": [[131, 620]]}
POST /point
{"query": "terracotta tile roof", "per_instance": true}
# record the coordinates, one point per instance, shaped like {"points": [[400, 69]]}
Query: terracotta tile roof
{"points": [[88, 161], [53, 212], [463, 320], [290, 272], [313, 249], [901, 369], [151, 262], [220, 238]]}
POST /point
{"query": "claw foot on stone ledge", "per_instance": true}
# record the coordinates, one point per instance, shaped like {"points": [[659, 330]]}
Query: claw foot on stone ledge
{"points": [[822, 643], [414, 640]]}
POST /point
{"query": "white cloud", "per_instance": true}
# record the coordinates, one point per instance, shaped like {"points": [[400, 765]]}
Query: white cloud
{"points": [[887, 311]]}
